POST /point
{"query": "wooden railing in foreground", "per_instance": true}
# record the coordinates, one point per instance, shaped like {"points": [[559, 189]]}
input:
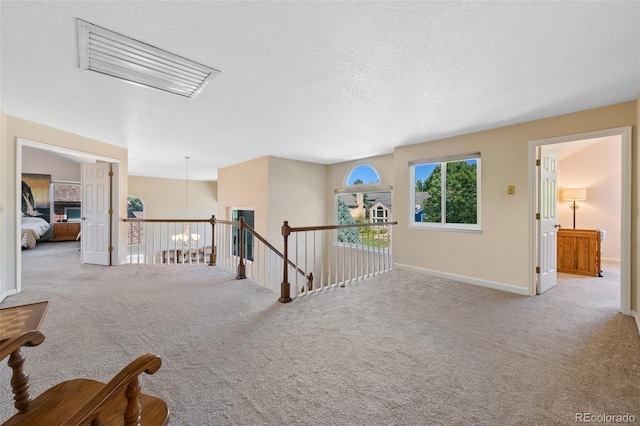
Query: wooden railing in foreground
{"points": [[83, 401], [170, 241], [334, 255]]}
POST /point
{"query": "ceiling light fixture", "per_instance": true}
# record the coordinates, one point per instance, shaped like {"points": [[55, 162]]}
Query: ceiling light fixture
{"points": [[113, 54]]}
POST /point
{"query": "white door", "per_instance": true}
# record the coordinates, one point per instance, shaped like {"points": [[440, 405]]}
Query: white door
{"points": [[96, 220], [547, 229]]}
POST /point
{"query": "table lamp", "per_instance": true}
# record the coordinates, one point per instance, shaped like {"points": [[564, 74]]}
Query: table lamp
{"points": [[573, 195]]}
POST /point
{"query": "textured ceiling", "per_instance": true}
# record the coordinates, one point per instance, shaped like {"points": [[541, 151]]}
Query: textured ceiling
{"points": [[317, 81]]}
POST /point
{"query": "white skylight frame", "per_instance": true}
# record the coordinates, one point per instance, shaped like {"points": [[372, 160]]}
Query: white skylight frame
{"points": [[113, 54]]}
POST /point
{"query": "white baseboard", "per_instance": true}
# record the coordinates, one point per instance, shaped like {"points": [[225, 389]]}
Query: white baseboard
{"points": [[6, 294], [611, 259], [634, 314], [468, 280]]}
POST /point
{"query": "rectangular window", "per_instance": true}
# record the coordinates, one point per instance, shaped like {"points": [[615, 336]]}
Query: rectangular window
{"points": [[445, 192], [67, 200]]}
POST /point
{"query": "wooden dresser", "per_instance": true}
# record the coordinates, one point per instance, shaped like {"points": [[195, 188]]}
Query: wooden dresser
{"points": [[66, 231], [579, 251]]}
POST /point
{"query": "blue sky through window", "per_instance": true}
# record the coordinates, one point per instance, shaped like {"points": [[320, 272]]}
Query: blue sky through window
{"points": [[365, 173], [423, 171]]}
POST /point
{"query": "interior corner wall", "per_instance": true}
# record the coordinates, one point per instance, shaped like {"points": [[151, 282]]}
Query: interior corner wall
{"points": [[297, 194], [15, 128], [167, 198], [245, 186], [499, 256]]}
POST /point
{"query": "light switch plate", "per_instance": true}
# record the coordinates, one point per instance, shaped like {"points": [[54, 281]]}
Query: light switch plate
{"points": [[511, 189]]}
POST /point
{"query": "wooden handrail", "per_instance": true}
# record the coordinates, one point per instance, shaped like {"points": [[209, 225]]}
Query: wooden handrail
{"points": [[266, 243], [285, 286], [329, 227], [126, 381], [167, 220]]}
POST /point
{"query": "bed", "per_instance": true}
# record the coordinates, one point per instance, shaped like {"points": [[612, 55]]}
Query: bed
{"points": [[31, 229]]}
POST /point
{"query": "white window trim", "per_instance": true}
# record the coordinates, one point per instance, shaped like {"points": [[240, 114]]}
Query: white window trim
{"points": [[453, 227]]}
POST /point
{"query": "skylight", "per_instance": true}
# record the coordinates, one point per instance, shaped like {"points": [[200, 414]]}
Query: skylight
{"points": [[113, 54]]}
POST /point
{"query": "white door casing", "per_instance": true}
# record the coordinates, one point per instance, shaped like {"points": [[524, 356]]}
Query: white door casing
{"points": [[548, 210], [96, 220]]}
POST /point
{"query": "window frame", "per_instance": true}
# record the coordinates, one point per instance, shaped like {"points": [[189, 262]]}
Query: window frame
{"points": [[443, 226], [356, 189]]}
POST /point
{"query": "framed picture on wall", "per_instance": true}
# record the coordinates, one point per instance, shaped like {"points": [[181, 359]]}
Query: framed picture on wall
{"points": [[36, 190]]}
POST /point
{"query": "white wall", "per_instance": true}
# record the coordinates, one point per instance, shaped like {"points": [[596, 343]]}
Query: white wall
{"points": [[39, 161], [596, 168], [167, 199]]}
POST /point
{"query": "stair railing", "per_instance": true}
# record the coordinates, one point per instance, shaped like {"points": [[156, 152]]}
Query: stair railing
{"points": [[170, 241], [335, 255], [239, 249]]}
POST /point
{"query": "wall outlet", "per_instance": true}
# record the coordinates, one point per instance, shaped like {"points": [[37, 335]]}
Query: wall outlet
{"points": [[511, 189]]}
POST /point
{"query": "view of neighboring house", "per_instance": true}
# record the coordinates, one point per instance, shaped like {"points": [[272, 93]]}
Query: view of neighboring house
{"points": [[420, 197], [371, 207]]}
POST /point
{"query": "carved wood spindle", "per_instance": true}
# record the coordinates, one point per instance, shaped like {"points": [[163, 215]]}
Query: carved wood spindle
{"points": [[310, 281], [212, 258], [133, 410], [285, 287], [241, 266], [19, 381]]}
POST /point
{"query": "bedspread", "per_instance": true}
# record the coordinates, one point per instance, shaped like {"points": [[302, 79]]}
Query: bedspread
{"points": [[32, 228]]}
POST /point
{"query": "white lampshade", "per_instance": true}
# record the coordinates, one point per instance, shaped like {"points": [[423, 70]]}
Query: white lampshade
{"points": [[574, 194]]}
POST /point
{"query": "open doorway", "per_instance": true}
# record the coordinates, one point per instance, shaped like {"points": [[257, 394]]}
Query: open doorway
{"points": [[598, 165], [56, 162]]}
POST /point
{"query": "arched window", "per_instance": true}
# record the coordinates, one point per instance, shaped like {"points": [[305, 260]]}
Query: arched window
{"points": [[363, 175], [364, 202], [135, 234], [135, 208]]}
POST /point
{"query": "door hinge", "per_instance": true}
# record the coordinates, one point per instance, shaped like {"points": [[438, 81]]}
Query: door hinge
{"points": [[111, 173], [537, 269], [538, 162], [537, 216], [110, 211], [110, 249]]}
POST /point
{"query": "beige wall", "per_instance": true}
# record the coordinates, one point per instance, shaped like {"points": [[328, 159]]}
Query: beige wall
{"points": [[635, 219], [277, 189], [245, 186], [297, 193], [166, 198], [596, 168], [14, 128], [499, 256]]}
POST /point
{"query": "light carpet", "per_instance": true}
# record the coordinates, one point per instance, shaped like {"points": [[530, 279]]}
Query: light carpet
{"points": [[397, 349]]}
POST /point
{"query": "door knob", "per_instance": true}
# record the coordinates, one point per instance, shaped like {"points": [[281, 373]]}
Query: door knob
{"points": [[557, 225]]}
